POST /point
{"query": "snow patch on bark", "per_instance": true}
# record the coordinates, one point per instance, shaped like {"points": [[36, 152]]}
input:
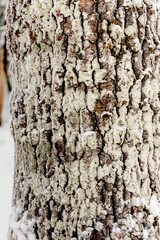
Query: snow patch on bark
{"points": [[154, 206], [131, 224], [88, 133], [86, 137], [106, 113], [23, 229], [86, 233], [147, 71]]}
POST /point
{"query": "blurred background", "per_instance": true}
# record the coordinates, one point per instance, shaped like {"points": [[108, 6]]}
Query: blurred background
{"points": [[6, 141]]}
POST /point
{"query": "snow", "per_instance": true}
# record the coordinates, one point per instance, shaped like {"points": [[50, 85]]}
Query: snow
{"points": [[86, 233], [88, 133], [106, 113], [154, 207], [116, 229], [99, 226], [145, 234], [147, 71], [24, 228], [132, 224], [6, 171]]}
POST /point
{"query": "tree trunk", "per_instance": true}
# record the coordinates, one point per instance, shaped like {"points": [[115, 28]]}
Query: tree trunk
{"points": [[4, 76], [86, 109]]}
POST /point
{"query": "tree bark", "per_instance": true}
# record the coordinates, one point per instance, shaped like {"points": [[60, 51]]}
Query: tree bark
{"points": [[86, 109], [4, 63]]}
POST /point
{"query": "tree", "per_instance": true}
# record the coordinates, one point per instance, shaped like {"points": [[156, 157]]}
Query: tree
{"points": [[86, 109], [3, 57]]}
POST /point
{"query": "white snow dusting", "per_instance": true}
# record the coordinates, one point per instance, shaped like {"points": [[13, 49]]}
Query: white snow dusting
{"points": [[85, 135], [145, 233], [86, 233], [6, 169], [23, 229], [106, 113], [88, 133], [154, 206], [147, 71]]}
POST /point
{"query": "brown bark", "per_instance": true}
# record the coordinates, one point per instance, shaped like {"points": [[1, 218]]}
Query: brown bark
{"points": [[85, 106]]}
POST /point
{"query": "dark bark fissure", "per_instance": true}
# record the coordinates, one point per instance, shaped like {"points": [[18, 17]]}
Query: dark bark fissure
{"points": [[82, 37], [98, 22]]}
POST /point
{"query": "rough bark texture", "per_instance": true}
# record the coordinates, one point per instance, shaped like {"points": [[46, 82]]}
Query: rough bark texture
{"points": [[86, 110]]}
